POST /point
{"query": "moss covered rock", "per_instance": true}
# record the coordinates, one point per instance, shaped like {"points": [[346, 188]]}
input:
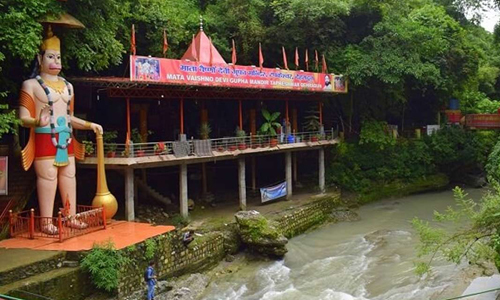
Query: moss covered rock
{"points": [[260, 235]]}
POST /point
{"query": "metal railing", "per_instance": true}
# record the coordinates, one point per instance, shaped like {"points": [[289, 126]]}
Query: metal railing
{"points": [[216, 145], [87, 219]]}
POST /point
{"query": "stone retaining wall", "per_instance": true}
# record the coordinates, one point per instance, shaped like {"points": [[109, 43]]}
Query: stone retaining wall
{"points": [[299, 220], [172, 258]]}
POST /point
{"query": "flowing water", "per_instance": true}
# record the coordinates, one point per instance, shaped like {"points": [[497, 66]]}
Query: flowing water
{"points": [[368, 259]]}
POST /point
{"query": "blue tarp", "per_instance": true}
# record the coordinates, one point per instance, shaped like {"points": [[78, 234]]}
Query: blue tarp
{"points": [[273, 192]]}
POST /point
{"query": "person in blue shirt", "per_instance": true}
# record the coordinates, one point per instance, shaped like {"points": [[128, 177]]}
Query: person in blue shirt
{"points": [[151, 280]]}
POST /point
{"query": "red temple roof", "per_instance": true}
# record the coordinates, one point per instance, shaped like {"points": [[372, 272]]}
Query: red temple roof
{"points": [[201, 49]]}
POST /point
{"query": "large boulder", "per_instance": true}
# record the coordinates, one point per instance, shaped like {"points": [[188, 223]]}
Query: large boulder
{"points": [[260, 235]]}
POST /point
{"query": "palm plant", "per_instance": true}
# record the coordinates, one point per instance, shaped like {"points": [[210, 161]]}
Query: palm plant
{"points": [[270, 125]]}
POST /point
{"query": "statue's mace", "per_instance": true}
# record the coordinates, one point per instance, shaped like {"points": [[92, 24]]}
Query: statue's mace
{"points": [[103, 196]]}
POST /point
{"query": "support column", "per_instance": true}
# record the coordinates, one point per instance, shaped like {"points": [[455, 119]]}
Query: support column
{"points": [[129, 134], [242, 183], [129, 194], [320, 108], [183, 190], [143, 122], [322, 170], [181, 115], [253, 123], [288, 167], [240, 110], [295, 127], [294, 167], [254, 182]]}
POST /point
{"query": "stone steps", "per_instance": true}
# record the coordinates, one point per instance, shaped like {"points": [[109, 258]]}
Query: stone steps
{"points": [[152, 192], [19, 264], [65, 283]]}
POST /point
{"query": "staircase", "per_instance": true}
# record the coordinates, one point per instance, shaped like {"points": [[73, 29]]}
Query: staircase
{"points": [[152, 192]]}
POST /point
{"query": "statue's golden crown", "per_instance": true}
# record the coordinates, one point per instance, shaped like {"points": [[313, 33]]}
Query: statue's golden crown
{"points": [[52, 42]]}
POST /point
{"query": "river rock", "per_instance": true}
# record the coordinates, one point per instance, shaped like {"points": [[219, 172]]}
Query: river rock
{"points": [[260, 235], [189, 288]]}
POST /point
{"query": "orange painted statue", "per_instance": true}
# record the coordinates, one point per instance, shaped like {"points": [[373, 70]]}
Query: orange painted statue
{"points": [[46, 107]]}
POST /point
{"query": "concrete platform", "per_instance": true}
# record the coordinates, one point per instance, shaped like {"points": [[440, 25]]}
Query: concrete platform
{"points": [[121, 233]]}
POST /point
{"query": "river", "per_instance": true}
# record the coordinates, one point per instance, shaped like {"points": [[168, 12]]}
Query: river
{"points": [[367, 259]]}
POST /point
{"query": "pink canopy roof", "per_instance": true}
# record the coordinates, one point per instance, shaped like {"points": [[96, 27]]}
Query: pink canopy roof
{"points": [[200, 50]]}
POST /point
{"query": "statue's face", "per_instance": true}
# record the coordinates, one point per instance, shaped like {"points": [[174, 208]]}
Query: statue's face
{"points": [[50, 62]]}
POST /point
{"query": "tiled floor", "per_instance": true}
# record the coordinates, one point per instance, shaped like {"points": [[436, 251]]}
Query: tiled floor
{"points": [[121, 233]]}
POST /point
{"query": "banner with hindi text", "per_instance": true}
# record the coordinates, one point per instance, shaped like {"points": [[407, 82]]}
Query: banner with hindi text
{"points": [[184, 72]]}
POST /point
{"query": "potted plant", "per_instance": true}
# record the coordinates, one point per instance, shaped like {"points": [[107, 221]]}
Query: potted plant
{"points": [[160, 148], [240, 136], [137, 139], [205, 131], [270, 126], [232, 145], [312, 123], [256, 142], [109, 137], [89, 148]]}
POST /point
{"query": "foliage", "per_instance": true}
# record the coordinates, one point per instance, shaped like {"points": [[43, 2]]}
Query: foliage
{"points": [[205, 131], [376, 133], [270, 125], [493, 164], [89, 147], [311, 122], [109, 138], [362, 166], [103, 263], [8, 121], [150, 249], [240, 134], [476, 243], [179, 220], [358, 167]]}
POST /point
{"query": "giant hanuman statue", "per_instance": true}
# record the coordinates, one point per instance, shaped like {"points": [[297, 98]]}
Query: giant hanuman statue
{"points": [[46, 107]]}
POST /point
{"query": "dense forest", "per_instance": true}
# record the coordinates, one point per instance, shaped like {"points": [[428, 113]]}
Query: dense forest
{"points": [[404, 59]]}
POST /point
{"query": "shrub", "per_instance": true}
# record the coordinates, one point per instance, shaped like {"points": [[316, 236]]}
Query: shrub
{"points": [[103, 263]]}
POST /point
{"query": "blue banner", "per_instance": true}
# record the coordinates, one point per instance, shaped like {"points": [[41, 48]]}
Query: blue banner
{"points": [[273, 192]]}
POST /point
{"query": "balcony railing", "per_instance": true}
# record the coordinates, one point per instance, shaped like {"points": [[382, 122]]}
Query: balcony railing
{"points": [[216, 145]]}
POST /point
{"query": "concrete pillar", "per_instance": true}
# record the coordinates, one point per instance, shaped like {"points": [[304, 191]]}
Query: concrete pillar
{"points": [[129, 194], [242, 183], [183, 190], [294, 167], [288, 167], [322, 170]]}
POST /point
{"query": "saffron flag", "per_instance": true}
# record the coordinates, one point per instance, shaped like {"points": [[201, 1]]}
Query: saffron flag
{"points": [[324, 67], [233, 55], [307, 60], [132, 41], [165, 42], [261, 57], [296, 58], [273, 192], [285, 63], [316, 60]]}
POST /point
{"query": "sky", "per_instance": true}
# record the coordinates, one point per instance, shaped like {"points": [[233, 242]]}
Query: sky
{"points": [[490, 18]]}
